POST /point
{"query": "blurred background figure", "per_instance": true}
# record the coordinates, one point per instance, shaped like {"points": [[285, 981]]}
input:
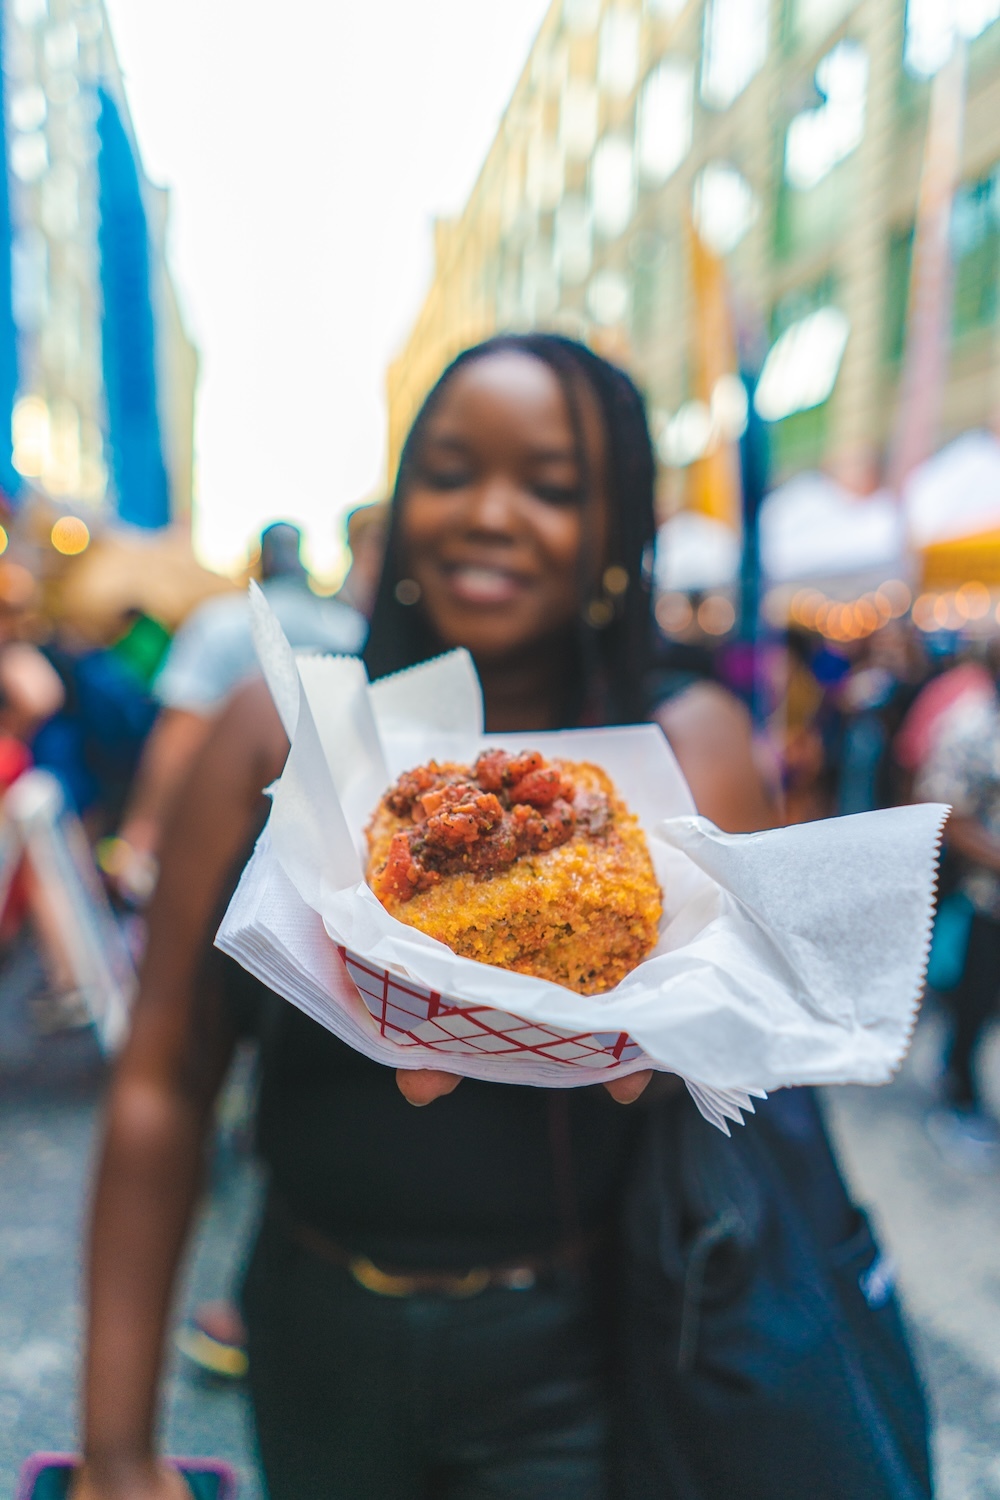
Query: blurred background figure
{"points": [[962, 767], [210, 655], [873, 700], [367, 528]]}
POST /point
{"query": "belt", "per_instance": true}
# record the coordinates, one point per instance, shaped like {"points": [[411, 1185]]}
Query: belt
{"points": [[513, 1276]]}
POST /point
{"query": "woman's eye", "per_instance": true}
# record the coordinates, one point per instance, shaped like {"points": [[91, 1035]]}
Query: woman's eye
{"points": [[559, 494], [446, 479]]}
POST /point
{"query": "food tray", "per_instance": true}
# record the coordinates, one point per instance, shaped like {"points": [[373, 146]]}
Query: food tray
{"points": [[410, 1015]]}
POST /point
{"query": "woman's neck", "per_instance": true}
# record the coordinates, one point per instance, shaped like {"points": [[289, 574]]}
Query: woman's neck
{"points": [[529, 691]]}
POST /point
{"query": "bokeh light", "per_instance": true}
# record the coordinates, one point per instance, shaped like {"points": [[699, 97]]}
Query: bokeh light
{"points": [[70, 536]]}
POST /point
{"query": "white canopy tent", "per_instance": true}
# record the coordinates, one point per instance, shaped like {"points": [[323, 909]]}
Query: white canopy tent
{"points": [[956, 493], [694, 553], [814, 530]]}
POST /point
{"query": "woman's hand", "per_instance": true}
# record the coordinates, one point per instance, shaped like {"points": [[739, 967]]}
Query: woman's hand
{"points": [[423, 1085]]}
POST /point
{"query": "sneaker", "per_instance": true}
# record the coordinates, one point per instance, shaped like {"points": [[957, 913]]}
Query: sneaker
{"points": [[966, 1137]]}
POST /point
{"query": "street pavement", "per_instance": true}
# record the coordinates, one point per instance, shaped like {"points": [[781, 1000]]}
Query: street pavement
{"points": [[941, 1223]]}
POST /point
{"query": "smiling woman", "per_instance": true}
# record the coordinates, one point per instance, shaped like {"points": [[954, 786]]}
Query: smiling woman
{"points": [[424, 1304]]}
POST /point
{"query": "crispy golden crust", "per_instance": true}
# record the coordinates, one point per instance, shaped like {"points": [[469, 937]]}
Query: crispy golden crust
{"points": [[582, 915]]}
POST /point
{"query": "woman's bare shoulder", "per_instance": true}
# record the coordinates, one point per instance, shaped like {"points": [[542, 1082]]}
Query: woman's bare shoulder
{"points": [[711, 733], [705, 714]]}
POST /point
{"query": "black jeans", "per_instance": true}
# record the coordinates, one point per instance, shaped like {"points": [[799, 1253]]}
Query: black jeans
{"points": [[360, 1397], [973, 1004]]}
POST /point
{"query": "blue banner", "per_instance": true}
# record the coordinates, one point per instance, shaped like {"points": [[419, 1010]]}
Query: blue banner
{"points": [[129, 330], [11, 483]]}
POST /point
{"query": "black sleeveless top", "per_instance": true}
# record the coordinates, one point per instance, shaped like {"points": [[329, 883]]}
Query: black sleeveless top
{"points": [[489, 1174]]}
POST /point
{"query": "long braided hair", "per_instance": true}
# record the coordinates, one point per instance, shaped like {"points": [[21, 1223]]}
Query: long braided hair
{"points": [[612, 641]]}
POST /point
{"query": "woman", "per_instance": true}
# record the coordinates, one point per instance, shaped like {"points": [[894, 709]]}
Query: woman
{"points": [[520, 529]]}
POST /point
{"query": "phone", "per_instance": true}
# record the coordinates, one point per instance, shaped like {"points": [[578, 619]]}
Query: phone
{"points": [[47, 1476]]}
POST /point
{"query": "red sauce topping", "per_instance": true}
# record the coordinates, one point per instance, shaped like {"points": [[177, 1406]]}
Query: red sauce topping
{"points": [[480, 820]]}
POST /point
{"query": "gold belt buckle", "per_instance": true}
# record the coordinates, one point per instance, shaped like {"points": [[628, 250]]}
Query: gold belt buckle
{"points": [[383, 1284]]}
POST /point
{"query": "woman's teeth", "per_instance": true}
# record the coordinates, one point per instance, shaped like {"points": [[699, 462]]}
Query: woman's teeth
{"points": [[480, 585]]}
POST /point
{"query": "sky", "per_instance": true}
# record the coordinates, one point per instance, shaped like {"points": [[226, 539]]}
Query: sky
{"points": [[308, 148]]}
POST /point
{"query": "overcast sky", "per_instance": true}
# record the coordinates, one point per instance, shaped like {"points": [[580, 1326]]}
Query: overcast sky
{"points": [[308, 147]]}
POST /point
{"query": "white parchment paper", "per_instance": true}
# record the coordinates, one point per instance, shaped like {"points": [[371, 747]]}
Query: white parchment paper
{"points": [[787, 957]]}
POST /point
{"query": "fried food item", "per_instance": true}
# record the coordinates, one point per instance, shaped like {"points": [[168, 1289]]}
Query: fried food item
{"points": [[532, 865]]}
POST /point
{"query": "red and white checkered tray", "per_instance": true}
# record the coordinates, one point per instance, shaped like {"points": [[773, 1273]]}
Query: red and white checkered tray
{"points": [[412, 1016]]}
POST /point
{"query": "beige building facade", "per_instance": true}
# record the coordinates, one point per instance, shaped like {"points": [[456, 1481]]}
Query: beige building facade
{"points": [[791, 134]]}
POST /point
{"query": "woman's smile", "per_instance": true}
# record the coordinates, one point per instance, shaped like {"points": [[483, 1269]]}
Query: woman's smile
{"points": [[484, 584]]}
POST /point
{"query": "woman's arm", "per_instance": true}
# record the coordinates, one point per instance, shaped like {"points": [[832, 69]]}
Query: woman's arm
{"points": [[160, 1107], [712, 737]]}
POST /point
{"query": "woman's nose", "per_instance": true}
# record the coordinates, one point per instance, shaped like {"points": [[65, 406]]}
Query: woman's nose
{"points": [[492, 507]]}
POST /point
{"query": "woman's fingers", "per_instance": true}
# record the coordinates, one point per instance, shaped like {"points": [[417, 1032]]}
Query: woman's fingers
{"points": [[423, 1085], [627, 1090]]}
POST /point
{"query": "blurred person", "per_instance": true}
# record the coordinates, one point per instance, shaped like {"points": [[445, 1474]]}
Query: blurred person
{"points": [[528, 474], [962, 767], [94, 743], [210, 656], [799, 729], [873, 700], [31, 695], [367, 529]]}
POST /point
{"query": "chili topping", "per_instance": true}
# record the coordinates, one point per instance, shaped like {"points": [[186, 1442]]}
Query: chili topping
{"points": [[481, 819]]}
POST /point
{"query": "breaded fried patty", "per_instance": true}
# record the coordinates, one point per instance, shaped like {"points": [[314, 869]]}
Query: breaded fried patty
{"points": [[530, 865]]}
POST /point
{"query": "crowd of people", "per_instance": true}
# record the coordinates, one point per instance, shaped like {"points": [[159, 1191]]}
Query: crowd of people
{"points": [[626, 1335]]}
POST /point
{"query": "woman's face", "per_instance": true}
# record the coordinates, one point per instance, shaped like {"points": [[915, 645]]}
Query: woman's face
{"points": [[496, 528]]}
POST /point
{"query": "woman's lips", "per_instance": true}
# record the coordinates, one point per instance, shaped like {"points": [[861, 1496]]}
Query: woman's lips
{"points": [[474, 584]]}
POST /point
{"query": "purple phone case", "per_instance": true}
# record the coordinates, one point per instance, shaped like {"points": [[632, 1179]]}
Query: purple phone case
{"points": [[39, 1462]]}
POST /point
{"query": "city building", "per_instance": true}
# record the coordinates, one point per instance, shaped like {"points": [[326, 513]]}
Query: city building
{"points": [[790, 135], [97, 373]]}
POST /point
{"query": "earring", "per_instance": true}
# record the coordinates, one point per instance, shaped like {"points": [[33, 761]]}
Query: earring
{"points": [[600, 612], [408, 591]]}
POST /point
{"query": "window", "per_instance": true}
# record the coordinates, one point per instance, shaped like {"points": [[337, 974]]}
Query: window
{"points": [[539, 283], [975, 243], [897, 293], [30, 279], [61, 46], [665, 118], [28, 108], [574, 240], [819, 139], [29, 156], [724, 206], [618, 52], [655, 291], [932, 27], [813, 19], [30, 12], [578, 119], [802, 366], [735, 48], [612, 186], [581, 15], [609, 298], [544, 176]]}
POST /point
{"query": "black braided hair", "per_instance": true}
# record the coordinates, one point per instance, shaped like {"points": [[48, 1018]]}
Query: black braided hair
{"points": [[612, 662]]}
